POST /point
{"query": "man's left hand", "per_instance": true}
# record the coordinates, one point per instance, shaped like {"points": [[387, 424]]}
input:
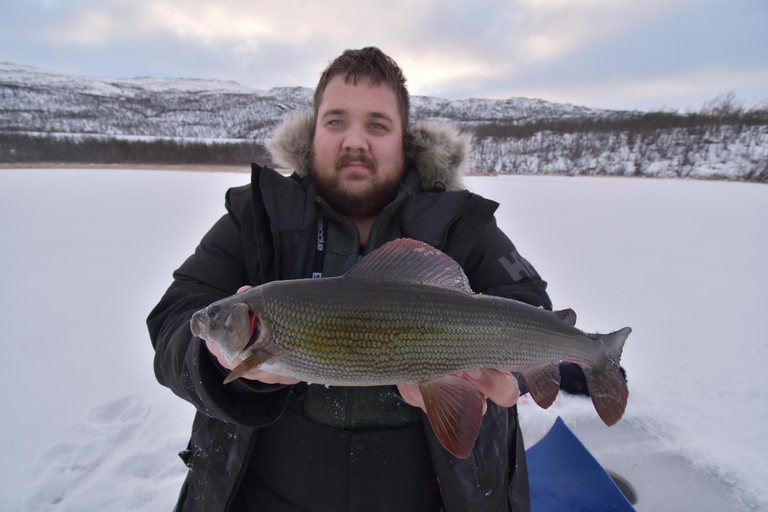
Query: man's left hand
{"points": [[498, 385]]}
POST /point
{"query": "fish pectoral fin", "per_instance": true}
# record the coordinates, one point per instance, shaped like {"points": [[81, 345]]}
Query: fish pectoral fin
{"points": [[455, 410], [543, 382], [252, 362]]}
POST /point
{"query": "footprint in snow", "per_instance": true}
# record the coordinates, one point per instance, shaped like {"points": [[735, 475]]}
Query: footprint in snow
{"points": [[68, 466]]}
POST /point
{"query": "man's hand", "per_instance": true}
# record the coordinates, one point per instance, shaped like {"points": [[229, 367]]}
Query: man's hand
{"points": [[498, 385], [260, 375]]}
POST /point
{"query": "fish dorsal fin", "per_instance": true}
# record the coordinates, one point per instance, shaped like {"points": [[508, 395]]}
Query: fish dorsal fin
{"points": [[411, 261]]}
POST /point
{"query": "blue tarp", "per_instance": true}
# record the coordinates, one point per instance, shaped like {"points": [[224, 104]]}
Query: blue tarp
{"points": [[565, 477]]}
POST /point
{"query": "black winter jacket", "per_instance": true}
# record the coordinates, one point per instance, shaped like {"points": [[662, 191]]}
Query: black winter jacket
{"points": [[269, 233]]}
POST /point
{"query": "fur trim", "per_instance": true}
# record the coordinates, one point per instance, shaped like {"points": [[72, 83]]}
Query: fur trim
{"points": [[439, 151], [291, 141]]}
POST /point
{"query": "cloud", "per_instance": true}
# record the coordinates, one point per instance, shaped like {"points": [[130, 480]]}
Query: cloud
{"points": [[449, 48], [528, 30], [679, 91], [290, 21]]}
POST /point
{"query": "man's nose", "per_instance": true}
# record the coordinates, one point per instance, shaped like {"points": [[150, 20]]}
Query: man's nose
{"points": [[355, 139]]}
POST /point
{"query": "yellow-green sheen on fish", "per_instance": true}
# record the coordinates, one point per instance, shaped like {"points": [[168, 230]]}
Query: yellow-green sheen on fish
{"points": [[406, 314]]}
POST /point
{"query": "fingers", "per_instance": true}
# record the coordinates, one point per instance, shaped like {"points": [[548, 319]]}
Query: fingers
{"points": [[412, 395], [243, 288], [269, 378], [498, 385], [216, 351]]}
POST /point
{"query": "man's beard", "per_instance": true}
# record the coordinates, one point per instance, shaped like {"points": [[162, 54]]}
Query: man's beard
{"points": [[364, 202]]}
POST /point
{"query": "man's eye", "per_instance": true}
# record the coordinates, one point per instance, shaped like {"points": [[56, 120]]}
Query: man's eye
{"points": [[377, 126], [334, 122]]}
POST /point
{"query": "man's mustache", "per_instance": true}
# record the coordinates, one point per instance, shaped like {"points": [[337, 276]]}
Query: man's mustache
{"points": [[347, 158]]}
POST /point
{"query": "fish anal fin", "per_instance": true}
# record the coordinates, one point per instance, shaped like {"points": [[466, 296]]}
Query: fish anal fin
{"points": [[455, 410], [566, 315], [411, 261], [543, 382], [252, 362]]}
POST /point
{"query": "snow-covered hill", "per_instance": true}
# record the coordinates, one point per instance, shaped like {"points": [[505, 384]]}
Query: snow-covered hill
{"points": [[517, 135], [35, 100]]}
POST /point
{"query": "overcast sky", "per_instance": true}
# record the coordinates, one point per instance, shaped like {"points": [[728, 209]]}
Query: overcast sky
{"points": [[622, 54]]}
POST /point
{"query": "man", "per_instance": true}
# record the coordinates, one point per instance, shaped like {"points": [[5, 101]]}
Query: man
{"points": [[362, 177]]}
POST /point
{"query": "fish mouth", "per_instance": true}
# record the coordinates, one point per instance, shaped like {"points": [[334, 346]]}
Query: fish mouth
{"points": [[196, 326]]}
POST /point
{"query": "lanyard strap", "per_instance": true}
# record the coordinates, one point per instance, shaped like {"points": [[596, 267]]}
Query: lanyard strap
{"points": [[317, 268]]}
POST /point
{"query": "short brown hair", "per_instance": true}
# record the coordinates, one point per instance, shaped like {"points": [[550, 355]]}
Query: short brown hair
{"points": [[376, 66]]}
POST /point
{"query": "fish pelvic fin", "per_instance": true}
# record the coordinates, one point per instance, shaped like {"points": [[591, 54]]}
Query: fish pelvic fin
{"points": [[543, 382], [605, 382], [251, 362], [455, 410]]}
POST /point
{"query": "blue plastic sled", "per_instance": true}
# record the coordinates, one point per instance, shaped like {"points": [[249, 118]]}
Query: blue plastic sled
{"points": [[564, 476]]}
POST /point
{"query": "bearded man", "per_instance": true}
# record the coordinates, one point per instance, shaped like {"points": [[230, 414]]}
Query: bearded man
{"points": [[363, 176]]}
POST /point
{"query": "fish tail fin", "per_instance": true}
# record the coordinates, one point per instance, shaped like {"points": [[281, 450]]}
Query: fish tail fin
{"points": [[606, 384]]}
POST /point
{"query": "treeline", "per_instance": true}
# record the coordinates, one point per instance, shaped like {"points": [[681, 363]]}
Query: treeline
{"points": [[715, 152], [724, 140], [637, 122], [21, 147]]}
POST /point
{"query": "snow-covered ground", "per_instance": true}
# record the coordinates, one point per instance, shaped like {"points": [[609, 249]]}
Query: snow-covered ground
{"points": [[87, 253]]}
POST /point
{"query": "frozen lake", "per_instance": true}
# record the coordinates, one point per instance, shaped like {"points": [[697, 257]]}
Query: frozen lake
{"points": [[87, 253]]}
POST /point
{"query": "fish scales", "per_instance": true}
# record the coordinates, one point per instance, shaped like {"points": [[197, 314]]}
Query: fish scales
{"points": [[348, 331]]}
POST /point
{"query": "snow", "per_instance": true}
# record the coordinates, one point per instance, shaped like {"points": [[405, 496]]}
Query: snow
{"points": [[113, 85], [683, 263], [86, 427]]}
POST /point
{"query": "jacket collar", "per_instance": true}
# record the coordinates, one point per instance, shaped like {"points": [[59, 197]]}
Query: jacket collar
{"points": [[438, 151]]}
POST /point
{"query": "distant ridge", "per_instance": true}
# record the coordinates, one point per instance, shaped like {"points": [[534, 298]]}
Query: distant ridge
{"points": [[187, 119]]}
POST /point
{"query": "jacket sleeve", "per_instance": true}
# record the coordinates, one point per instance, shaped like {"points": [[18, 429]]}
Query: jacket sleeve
{"points": [[223, 262], [494, 267]]}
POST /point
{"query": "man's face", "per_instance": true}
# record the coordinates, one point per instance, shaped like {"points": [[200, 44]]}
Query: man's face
{"points": [[357, 152]]}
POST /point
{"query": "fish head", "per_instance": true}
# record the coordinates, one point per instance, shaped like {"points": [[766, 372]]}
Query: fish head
{"points": [[233, 324]]}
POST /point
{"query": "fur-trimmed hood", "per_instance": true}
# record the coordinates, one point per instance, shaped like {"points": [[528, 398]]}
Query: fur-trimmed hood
{"points": [[440, 152]]}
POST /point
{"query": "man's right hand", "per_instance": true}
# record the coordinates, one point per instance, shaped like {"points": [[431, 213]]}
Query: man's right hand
{"points": [[260, 375]]}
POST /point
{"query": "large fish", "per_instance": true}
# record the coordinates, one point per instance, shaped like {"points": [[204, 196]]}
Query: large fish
{"points": [[406, 314]]}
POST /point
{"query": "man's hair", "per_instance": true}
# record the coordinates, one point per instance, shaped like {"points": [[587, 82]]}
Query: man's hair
{"points": [[372, 64]]}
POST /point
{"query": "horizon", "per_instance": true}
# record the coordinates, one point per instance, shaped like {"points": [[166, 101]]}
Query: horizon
{"points": [[728, 96]]}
